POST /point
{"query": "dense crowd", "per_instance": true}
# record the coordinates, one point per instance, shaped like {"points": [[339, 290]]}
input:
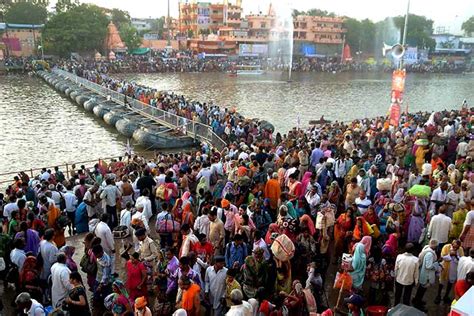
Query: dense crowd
{"points": [[253, 229], [186, 61], [225, 122]]}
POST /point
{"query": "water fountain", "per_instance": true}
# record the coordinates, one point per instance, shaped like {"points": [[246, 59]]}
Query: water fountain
{"points": [[281, 34]]}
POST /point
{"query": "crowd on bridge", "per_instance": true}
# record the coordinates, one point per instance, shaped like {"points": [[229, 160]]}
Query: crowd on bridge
{"points": [[255, 229], [225, 122]]}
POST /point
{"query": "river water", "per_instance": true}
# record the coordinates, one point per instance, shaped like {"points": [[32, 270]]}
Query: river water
{"points": [[40, 127]]}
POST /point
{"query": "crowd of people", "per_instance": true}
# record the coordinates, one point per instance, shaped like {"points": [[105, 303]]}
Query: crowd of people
{"points": [[253, 229], [225, 122], [186, 61]]}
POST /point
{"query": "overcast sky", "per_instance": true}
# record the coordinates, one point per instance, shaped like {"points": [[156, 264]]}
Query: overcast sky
{"points": [[445, 13]]}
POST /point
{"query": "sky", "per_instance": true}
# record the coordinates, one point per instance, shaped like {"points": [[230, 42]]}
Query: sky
{"points": [[449, 14]]}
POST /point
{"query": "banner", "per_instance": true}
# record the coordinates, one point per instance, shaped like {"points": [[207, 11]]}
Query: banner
{"points": [[398, 80], [394, 117], [253, 49], [411, 55]]}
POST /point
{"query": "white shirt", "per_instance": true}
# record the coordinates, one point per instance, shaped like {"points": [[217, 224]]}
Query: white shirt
{"points": [[407, 269], [469, 219], [18, 256], [215, 285], [110, 195], [439, 196], [125, 218], [90, 209], [465, 265], [141, 216], [262, 245], [103, 231], [36, 309], [145, 201], [8, 209], [462, 149], [61, 285], [71, 201], [362, 205], [439, 228], [201, 225], [244, 309]]}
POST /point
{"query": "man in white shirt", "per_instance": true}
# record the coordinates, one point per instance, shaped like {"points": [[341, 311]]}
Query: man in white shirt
{"points": [[30, 306], [70, 200], [103, 231], [60, 280], [17, 255], [90, 200], [239, 306], [466, 265], [461, 150], [438, 196], [206, 173], [439, 228], [215, 285], [10, 207], [362, 202], [49, 253], [202, 223], [110, 194], [406, 275], [144, 200]]}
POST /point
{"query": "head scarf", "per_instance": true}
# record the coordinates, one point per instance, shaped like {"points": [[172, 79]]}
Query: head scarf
{"points": [[305, 181], [29, 269], [122, 291], [391, 245], [69, 252], [306, 221], [367, 242], [273, 228]]}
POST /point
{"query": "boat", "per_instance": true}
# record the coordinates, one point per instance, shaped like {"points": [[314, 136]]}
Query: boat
{"points": [[246, 70], [159, 137], [128, 125], [321, 121]]}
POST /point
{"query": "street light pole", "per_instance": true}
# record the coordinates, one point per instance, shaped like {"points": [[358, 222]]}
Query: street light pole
{"points": [[404, 38]]}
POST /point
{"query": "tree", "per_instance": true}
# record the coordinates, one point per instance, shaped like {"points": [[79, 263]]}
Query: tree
{"points": [[81, 29], [360, 34], [26, 13], [468, 26], [121, 19], [313, 12], [158, 26], [130, 37], [66, 5], [419, 31]]}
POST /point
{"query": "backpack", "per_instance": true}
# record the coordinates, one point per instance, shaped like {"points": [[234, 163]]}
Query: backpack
{"points": [[87, 266], [63, 221], [163, 192], [167, 225]]}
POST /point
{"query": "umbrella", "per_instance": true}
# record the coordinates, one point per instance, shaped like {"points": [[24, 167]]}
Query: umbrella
{"points": [[422, 142]]}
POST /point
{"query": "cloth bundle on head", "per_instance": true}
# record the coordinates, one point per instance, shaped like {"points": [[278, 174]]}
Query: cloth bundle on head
{"points": [[140, 302], [225, 203]]}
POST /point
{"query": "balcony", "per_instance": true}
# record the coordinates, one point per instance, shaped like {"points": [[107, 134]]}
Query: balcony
{"points": [[320, 29], [328, 41]]}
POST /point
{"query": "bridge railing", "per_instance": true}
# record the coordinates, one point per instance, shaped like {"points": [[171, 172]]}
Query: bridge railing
{"points": [[196, 130]]}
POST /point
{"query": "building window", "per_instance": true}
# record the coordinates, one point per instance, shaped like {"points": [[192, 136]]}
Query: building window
{"points": [[263, 25]]}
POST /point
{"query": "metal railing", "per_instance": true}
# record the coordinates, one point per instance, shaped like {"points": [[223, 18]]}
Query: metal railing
{"points": [[196, 130], [7, 177]]}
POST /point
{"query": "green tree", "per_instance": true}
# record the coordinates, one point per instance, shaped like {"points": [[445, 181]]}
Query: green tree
{"points": [[121, 19], [313, 12], [360, 34], [468, 26], [26, 13], [81, 29], [158, 26], [65, 5], [419, 31], [130, 37]]}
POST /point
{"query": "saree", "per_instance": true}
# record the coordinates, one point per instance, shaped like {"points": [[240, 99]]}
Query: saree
{"points": [[359, 265]]}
